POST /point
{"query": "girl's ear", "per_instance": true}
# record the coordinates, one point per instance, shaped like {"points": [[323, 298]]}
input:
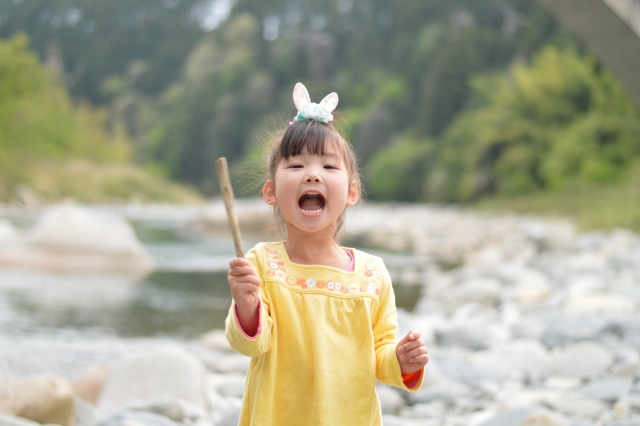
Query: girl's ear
{"points": [[269, 193], [353, 196]]}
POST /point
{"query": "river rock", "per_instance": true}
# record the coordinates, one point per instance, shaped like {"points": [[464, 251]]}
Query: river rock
{"points": [[510, 416], [9, 234], [9, 420], [521, 357], [86, 413], [582, 360], [138, 418], [607, 389], [481, 290], [43, 399], [75, 238], [391, 402], [215, 339], [600, 302], [544, 418], [168, 371], [576, 406], [231, 384], [89, 384]]}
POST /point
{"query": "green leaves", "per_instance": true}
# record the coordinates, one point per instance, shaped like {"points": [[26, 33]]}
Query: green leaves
{"points": [[542, 125]]}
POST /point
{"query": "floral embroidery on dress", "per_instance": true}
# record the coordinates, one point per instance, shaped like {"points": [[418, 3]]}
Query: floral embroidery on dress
{"points": [[370, 285]]}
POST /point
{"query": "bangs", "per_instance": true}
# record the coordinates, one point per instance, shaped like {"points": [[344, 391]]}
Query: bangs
{"points": [[312, 137]]}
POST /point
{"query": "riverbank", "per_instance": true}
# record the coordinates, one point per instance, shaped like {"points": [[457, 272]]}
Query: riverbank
{"points": [[527, 322]]}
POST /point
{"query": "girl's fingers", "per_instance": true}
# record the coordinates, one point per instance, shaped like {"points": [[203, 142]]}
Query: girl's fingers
{"points": [[412, 335], [241, 270], [238, 261], [420, 350], [403, 349], [421, 359]]}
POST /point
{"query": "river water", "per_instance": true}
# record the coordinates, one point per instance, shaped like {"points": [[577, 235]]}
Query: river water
{"points": [[184, 297]]}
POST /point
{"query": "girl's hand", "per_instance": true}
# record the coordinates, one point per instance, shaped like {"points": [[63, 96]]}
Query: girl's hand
{"points": [[412, 353], [244, 284]]}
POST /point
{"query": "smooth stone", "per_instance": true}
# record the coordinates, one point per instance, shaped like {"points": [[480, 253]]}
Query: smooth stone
{"points": [[576, 406], [138, 418], [562, 383], [564, 331], [89, 384], [544, 418], [231, 363], [9, 420], [76, 237], [431, 410], [520, 357], [532, 287], [86, 413], [630, 422], [582, 360], [600, 302], [215, 339], [167, 371], [466, 334], [607, 389], [389, 420], [173, 408], [43, 399], [231, 384], [510, 417], [391, 402], [9, 234], [445, 392], [482, 290]]}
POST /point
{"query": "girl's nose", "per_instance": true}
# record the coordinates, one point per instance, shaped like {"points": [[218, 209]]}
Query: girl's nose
{"points": [[312, 176]]}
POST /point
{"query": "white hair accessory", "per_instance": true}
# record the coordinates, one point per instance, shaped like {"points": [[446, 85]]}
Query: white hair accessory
{"points": [[308, 110]]}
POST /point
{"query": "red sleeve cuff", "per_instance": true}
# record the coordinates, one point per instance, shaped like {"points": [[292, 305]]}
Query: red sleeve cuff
{"points": [[235, 308], [411, 380]]}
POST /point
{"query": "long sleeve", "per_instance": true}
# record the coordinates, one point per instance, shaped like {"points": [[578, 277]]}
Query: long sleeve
{"points": [[384, 332], [259, 344]]}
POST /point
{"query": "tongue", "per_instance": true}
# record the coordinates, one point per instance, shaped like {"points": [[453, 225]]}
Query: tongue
{"points": [[309, 203]]}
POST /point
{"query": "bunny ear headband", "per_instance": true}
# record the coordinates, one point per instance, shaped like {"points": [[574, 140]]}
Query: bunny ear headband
{"points": [[307, 110]]}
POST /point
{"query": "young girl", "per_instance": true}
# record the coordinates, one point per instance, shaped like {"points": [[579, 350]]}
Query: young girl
{"points": [[318, 319]]}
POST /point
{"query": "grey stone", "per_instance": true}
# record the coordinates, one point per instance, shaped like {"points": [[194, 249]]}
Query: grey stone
{"points": [[576, 406], [544, 418], [521, 357], [86, 413], [564, 331], [447, 393], [482, 290], [138, 418], [390, 400], [465, 334], [9, 420], [231, 384], [389, 420], [168, 371], [607, 389], [582, 360], [510, 417], [629, 422]]}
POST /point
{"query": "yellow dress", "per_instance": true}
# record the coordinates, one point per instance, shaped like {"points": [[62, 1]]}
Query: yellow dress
{"points": [[325, 335]]}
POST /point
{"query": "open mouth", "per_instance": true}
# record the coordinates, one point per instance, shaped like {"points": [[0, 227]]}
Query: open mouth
{"points": [[311, 203]]}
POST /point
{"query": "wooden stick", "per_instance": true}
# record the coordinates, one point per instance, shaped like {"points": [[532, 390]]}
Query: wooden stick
{"points": [[227, 195]]}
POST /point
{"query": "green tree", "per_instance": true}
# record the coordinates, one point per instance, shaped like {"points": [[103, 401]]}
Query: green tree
{"points": [[560, 118]]}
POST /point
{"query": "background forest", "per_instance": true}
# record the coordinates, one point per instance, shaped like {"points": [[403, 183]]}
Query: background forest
{"points": [[486, 102]]}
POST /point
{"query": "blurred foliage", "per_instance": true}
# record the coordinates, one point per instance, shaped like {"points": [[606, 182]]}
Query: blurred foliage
{"points": [[446, 101], [592, 205], [192, 80], [559, 119], [42, 131]]}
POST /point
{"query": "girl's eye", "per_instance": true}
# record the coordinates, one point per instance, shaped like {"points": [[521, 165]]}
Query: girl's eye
{"points": [[295, 166], [329, 166]]}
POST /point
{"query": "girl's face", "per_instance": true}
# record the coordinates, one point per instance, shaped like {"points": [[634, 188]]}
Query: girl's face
{"points": [[312, 190]]}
